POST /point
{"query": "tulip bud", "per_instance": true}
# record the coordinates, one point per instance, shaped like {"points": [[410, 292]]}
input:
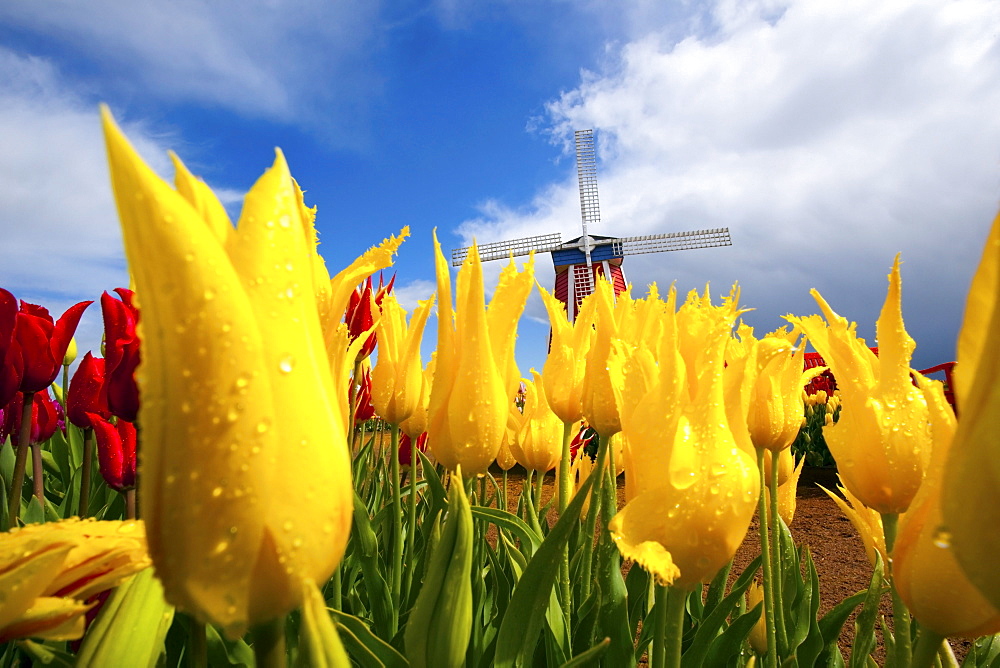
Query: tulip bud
{"points": [[758, 634], [70, 355], [438, 631]]}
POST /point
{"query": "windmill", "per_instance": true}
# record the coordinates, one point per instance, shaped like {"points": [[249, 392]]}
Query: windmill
{"points": [[579, 261]]}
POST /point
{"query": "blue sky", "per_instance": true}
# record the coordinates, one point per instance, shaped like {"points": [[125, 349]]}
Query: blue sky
{"points": [[826, 136]]}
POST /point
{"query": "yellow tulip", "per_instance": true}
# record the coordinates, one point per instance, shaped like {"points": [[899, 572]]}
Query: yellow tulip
{"points": [[48, 571], [604, 377], [507, 304], [515, 419], [538, 444], [776, 408], [565, 365], [788, 486], [467, 412], [245, 465], [758, 634], [972, 471], [882, 441], [928, 578], [397, 379], [580, 470], [416, 424], [694, 489], [867, 522]]}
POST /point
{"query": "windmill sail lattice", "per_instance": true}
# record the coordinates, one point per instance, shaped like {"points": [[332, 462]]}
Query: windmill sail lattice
{"points": [[579, 261]]}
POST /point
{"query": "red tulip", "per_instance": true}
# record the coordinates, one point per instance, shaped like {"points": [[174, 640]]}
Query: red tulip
{"points": [[46, 417], [360, 317], [364, 409], [406, 447], [581, 441], [85, 395], [11, 364], [43, 343], [115, 452], [121, 353]]}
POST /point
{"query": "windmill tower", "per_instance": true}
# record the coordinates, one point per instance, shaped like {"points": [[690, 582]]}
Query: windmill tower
{"points": [[578, 262]]}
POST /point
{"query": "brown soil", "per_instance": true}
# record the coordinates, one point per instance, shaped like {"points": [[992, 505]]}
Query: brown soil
{"points": [[819, 524]]}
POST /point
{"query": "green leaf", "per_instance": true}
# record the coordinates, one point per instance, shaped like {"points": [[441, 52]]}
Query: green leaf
{"points": [[523, 621], [379, 594], [131, 627], [366, 647], [715, 621], [808, 650], [510, 522], [864, 625], [729, 643], [34, 513], [590, 656], [984, 653], [46, 655], [614, 622], [319, 643], [224, 652]]}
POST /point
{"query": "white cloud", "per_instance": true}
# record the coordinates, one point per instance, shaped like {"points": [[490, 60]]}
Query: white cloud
{"points": [[826, 136], [409, 294], [62, 242], [289, 61]]}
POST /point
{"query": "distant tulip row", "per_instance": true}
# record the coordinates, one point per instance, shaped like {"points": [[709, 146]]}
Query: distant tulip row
{"points": [[260, 491]]}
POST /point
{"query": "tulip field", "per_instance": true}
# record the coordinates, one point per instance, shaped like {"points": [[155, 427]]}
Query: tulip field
{"points": [[256, 466]]}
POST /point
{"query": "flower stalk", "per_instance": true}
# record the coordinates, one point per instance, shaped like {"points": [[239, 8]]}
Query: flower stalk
{"points": [[900, 615], [20, 460], [769, 576]]}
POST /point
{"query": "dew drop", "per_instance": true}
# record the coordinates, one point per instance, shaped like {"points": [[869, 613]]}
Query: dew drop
{"points": [[263, 426], [209, 294], [286, 364], [942, 539], [217, 492]]}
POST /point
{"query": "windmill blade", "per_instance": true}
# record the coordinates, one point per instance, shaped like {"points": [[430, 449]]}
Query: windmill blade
{"points": [[501, 250], [656, 243]]}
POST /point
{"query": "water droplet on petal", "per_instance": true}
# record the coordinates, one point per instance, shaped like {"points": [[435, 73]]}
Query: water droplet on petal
{"points": [[286, 364]]}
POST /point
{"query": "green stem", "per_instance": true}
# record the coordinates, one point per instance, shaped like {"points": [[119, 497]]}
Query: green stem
{"points": [[947, 655], [672, 627], [564, 488], [397, 526], [900, 615], [337, 599], [926, 650], [37, 481], [411, 519], [269, 644], [772, 637], [65, 387], [197, 645], [539, 484], [130, 512], [85, 470], [590, 525], [775, 556], [503, 493], [20, 461]]}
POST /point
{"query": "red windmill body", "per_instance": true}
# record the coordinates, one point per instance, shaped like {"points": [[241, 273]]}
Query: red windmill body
{"points": [[579, 261]]}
